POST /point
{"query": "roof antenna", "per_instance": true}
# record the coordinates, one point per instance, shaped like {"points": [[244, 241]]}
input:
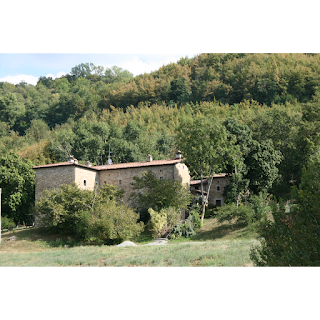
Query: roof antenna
{"points": [[109, 156]]}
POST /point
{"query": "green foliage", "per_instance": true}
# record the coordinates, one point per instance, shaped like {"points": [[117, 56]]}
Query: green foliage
{"points": [[7, 223], [194, 216], [157, 222], [188, 227], [159, 193], [291, 238], [11, 110], [17, 181], [204, 144], [268, 105], [184, 229], [262, 163], [251, 214], [88, 215]]}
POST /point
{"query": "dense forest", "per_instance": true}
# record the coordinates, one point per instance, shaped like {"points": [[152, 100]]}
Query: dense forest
{"points": [[268, 105]]}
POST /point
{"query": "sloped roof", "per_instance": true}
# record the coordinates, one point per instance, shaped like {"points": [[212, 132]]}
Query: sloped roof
{"points": [[115, 166], [195, 182]]}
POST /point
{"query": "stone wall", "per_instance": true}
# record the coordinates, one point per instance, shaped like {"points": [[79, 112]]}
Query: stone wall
{"points": [[52, 178], [86, 178], [216, 190], [49, 178], [122, 178], [181, 173]]}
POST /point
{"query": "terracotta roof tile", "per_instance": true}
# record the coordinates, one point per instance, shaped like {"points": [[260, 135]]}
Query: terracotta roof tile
{"points": [[115, 166], [194, 182]]}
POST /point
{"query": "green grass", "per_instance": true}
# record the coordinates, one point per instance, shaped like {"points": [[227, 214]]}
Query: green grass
{"points": [[214, 245]]}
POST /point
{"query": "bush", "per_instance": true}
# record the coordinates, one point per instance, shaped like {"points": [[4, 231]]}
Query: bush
{"points": [[184, 229], [187, 228], [241, 214], [250, 215], [7, 223], [88, 215], [293, 238], [195, 217], [161, 223], [157, 222], [111, 224]]}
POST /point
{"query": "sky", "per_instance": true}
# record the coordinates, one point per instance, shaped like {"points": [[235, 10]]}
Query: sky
{"points": [[28, 67]]}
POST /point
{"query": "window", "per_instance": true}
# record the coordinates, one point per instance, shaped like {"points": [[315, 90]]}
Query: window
{"points": [[218, 203], [120, 182], [218, 188], [85, 183], [160, 170]]}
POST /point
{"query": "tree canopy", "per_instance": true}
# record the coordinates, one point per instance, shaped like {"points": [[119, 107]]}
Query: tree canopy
{"points": [[259, 112]]}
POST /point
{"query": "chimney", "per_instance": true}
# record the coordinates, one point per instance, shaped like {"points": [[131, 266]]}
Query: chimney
{"points": [[149, 158], [178, 154], [88, 163], [70, 158]]}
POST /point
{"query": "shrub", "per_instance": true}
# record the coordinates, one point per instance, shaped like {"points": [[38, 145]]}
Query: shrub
{"points": [[151, 192], [250, 214], [88, 215], [230, 212], [184, 229], [7, 223], [157, 222], [293, 238], [161, 223], [110, 223]]}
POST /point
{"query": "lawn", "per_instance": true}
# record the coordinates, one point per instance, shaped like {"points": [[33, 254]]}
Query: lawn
{"points": [[214, 245]]}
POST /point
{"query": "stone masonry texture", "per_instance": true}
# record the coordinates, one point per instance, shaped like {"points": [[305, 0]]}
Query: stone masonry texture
{"points": [[51, 177]]}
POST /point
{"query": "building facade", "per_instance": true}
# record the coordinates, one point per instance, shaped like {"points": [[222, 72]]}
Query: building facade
{"points": [[88, 177], [216, 190]]}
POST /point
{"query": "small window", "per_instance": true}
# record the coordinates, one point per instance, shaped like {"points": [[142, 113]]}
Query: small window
{"points": [[160, 170], [218, 188], [104, 182], [120, 182], [218, 181], [85, 183]]}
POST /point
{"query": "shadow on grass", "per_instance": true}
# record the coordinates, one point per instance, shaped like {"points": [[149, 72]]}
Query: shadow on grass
{"points": [[221, 231], [41, 234]]}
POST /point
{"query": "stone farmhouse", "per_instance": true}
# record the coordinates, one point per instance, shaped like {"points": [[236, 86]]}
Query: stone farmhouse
{"points": [[216, 190], [52, 176]]}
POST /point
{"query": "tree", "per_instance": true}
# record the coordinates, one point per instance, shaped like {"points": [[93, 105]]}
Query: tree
{"points": [[81, 70], [17, 180], [262, 163], [37, 131], [292, 237], [11, 110], [158, 194], [116, 74], [88, 215], [206, 148], [180, 90]]}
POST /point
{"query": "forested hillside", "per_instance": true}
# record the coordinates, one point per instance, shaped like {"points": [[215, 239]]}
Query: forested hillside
{"points": [[267, 102]]}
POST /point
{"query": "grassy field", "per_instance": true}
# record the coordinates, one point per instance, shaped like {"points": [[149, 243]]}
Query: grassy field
{"points": [[214, 245]]}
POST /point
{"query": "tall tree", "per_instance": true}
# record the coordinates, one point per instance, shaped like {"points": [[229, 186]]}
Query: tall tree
{"points": [[17, 180], [206, 148]]}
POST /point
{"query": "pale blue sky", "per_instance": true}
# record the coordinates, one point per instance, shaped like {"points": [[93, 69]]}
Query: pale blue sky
{"points": [[15, 67]]}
